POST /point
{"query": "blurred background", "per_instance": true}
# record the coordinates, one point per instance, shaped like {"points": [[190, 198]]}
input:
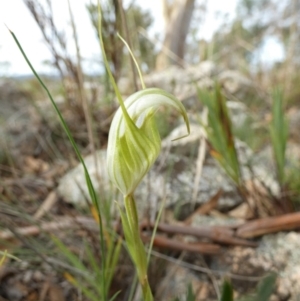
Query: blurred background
{"points": [[259, 34]]}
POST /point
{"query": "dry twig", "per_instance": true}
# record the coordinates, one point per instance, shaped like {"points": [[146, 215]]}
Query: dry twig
{"points": [[268, 225]]}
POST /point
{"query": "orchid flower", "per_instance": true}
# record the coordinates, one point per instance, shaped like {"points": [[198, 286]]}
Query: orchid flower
{"points": [[134, 142]]}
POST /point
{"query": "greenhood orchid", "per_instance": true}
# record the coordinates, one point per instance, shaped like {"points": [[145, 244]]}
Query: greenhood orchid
{"points": [[134, 142], [133, 146]]}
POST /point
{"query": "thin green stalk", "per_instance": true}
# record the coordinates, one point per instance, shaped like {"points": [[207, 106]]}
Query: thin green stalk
{"points": [[279, 134], [135, 62], [155, 229], [133, 287], [73, 143], [7, 255], [112, 80], [137, 250]]}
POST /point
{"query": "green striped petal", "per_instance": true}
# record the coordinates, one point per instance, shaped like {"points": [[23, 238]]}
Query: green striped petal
{"points": [[134, 142]]}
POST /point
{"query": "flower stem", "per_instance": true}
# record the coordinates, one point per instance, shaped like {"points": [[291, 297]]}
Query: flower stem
{"points": [[136, 249]]}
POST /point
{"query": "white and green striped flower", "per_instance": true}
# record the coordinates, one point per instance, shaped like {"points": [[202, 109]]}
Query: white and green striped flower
{"points": [[134, 142]]}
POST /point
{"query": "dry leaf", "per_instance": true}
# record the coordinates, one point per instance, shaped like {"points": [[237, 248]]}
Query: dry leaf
{"points": [[34, 165], [56, 293]]}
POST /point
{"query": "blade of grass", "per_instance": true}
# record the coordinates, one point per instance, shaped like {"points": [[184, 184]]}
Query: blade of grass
{"points": [[279, 134], [155, 229], [190, 294], [219, 133], [4, 254], [73, 259], [114, 260], [94, 265], [227, 291], [115, 296], [7, 255], [133, 287], [77, 263], [265, 287], [89, 183], [81, 287]]}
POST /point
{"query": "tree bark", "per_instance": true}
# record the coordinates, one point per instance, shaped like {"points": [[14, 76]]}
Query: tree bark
{"points": [[177, 16]]}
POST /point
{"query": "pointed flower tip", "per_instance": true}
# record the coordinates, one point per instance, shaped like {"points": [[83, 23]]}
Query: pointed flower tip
{"points": [[181, 137], [187, 123], [134, 143]]}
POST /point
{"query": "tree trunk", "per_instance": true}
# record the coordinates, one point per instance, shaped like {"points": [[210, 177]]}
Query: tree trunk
{"points": [[177, 16]]}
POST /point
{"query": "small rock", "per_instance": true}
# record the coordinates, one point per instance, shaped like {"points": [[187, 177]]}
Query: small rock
{"points": [[203, 291], [294, 123], [282, 290], [238, 113], [24, 265], [235, 83], [276, 252], [27, 277], [72, 186], [15, 291], [275, 298], [176, 283], [242, 212], [38, 276]]}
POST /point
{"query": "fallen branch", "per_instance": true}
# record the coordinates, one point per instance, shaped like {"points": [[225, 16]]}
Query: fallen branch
{"points": [[48, 227], [48, 203], [268, 225], [215, 233], [167, 243]]}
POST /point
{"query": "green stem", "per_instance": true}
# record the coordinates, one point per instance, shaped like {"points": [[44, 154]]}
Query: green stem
{"points": [[138, 253]]}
